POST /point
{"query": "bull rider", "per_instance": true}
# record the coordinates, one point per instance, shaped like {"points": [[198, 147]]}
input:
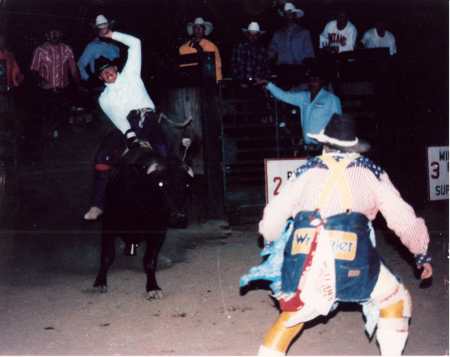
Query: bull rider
{"points": [[128, 105]]}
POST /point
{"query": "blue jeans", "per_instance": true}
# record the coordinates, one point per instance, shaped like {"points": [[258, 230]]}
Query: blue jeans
{"points": [[356, 274]]}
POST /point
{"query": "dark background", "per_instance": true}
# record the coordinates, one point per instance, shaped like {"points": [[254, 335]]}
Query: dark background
{"points": [[416, 117]]}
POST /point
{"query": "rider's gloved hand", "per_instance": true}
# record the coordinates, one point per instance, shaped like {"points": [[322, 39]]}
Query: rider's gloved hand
{"points": [[132, 140]]}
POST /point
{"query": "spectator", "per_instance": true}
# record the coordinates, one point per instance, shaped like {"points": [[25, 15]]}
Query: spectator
{"points": [[10, 76], [198, 30], [97, 48], [379, 37], [250, 58], [339, 35], [291, 44], [316, 104], [54, 66]]}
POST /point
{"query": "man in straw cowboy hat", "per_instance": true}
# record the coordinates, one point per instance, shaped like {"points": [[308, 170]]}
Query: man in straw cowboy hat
{"points": [[99, 47], [326, 253], [292, 43], [199, 30], [128, 105], [250, 58], [317, 105]]}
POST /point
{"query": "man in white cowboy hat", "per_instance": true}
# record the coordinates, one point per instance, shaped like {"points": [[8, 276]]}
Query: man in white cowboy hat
{"points": [[99, 47], [317, 105], [339, 35], [329, 254], [198, 30], [250, 58], [292, 43]]}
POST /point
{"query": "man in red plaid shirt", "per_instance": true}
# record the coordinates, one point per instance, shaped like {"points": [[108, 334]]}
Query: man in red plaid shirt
{"points": [[54, 67]]}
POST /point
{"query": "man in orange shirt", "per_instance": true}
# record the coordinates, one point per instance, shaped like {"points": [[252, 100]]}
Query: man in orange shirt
{"points": [[10, 76], [199, 29]]}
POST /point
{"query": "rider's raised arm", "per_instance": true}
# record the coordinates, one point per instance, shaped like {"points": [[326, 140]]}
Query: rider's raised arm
{"points": [[133, 65]]}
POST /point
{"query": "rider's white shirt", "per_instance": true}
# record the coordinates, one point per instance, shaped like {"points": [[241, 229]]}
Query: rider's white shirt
{"points": [[128, 92]]}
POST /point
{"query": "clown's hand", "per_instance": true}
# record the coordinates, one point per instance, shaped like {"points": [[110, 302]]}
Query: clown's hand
{"points": [[423, 261], [427, 271]]}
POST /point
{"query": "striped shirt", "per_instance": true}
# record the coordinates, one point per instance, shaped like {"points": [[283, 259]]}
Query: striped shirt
{"points": [[53, 63], [371, 192]]}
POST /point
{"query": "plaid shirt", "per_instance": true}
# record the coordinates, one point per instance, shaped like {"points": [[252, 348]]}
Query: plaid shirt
{"points": [[53, 62], [250, 60]]}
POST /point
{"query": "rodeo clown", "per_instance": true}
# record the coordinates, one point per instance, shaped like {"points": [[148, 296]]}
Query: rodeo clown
{"points": [[127, 104], [326, 253]]}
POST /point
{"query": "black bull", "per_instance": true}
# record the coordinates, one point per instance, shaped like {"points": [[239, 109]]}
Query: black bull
{"points": [[147, 194]]}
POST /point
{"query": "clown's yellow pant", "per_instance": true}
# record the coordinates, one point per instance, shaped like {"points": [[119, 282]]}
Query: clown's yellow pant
{"points": [[395, 310]]}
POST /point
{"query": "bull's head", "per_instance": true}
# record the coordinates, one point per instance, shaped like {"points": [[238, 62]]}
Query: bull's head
{"points": [[173, 180]]}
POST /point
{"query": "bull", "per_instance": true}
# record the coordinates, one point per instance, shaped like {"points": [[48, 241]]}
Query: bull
{"points": [[145, 196]]}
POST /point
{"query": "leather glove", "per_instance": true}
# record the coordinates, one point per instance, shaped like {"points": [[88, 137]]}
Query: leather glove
{"points": [[132, 140]]}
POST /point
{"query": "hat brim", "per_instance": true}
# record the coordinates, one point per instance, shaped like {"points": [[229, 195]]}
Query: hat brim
{"points": [[259, 32], [207, 25], [297, 12], [103, 25], [358, 145], [98, 71]]}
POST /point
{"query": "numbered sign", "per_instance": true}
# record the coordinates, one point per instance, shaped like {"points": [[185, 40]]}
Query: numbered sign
{"points": [[278, 171], [438, 172]]}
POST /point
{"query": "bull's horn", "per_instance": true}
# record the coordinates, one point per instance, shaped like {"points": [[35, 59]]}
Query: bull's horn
{"points": [[175, 124], [190, 171], [152, 168]]}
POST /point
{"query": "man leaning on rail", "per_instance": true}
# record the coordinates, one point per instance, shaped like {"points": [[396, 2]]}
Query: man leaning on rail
{"points": [[317, 105]]}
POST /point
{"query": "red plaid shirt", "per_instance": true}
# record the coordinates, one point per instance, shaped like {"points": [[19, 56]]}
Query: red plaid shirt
{"points": [[53, 62]]}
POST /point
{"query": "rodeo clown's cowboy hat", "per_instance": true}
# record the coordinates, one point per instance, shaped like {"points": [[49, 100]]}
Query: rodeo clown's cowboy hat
{"points": [[199, 21], [290, 7], [101, 22], [340, 134], [254, 28]]}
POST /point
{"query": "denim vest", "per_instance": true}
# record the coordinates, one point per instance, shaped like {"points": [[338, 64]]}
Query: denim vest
{"points": [[357, 262]]}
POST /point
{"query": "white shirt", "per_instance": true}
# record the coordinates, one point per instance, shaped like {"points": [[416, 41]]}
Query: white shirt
{"points": [[128, 92], [371, 39], [349, 32]]}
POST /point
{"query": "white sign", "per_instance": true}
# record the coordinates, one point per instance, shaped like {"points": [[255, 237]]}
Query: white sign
{"points": [[438, 172], [278, 171]]}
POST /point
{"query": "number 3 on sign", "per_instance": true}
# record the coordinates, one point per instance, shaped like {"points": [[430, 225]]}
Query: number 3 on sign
{"points": [[277, 181], [435, 170]]}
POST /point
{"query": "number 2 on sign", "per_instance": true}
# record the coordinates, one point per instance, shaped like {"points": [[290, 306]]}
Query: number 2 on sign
{"points": [[277, 180]]}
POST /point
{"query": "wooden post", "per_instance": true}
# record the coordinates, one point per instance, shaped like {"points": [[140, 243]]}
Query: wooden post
{"points": [[212, 147]]}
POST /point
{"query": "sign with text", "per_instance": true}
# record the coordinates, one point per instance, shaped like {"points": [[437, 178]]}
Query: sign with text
{"points": [[438, 172], [278, 171]]}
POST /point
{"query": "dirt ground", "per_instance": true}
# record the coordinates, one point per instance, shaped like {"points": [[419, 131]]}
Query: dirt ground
{"points": [[50, 259], [51, 309]]}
